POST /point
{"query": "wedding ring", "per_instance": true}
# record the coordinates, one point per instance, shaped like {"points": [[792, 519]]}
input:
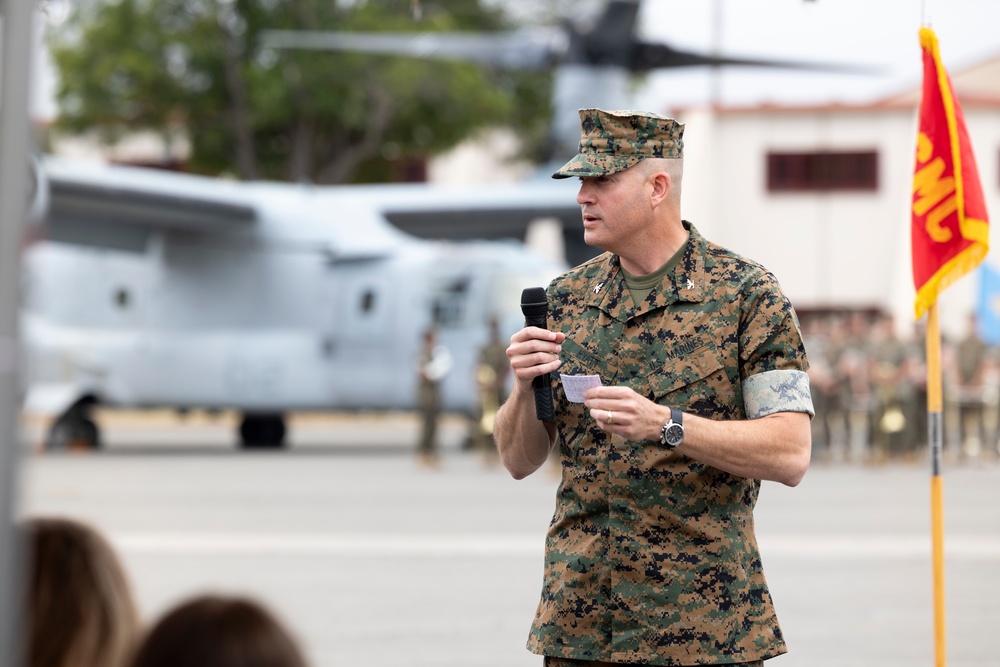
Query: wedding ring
{"points": [[611, 416]]}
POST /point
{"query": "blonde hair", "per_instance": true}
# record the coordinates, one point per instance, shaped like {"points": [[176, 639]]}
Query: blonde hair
{"points": [[80, 606]]}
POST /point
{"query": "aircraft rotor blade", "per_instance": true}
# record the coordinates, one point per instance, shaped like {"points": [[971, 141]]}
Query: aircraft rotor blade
{"points": [[648, 56], [524, 49]]}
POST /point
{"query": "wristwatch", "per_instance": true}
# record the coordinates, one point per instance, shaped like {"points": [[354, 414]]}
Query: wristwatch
{"points": [[672, 433]]}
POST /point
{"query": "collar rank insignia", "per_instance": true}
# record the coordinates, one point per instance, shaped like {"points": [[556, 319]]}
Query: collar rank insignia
{"points": [[598, 287], [689, 285]]}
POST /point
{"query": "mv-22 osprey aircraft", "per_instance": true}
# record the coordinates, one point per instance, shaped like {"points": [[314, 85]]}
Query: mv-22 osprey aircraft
{"points": [[154, 289], [163, 290]]}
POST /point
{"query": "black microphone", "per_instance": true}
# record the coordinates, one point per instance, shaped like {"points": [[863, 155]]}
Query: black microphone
{"points": [[535, 307]]}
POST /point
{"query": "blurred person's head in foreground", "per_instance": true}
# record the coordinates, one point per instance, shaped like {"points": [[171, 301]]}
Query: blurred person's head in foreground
{"points": [[81, 612], [218, 631]]}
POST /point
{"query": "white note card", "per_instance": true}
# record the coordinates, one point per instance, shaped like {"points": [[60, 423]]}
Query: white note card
{"points": [[575, 385]]}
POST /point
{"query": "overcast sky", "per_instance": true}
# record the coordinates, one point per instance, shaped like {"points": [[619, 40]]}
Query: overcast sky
{"points": [[877, 33]]}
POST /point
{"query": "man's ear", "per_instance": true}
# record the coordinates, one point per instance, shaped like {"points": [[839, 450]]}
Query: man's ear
{"points": [[661, 187]]}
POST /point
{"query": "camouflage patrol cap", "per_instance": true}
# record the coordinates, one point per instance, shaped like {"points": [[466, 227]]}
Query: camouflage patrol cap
{"points": [[612, 141]]}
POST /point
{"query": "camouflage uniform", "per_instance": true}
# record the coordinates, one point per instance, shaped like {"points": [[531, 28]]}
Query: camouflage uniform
{"points": [[892, 433], [569, 662], [971, 357], [836, 424], [492, 370], [651, 555], [433, 365], [429, 405]]}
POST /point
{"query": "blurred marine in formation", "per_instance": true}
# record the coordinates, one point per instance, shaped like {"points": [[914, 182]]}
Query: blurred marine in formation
{"points": [[892, 419], [969, 379], [870, 390], [492, 371], [434, 364]]}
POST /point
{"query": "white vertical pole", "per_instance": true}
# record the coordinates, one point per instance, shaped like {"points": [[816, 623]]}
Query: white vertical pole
{"points": [[715, 71], [15, 52]]}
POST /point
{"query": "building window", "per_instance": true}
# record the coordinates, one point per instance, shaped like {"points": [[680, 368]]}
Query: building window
{"points": [[822, 171]]}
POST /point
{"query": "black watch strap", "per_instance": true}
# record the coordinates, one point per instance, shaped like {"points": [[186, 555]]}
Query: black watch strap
{"points": [[672, 433]]}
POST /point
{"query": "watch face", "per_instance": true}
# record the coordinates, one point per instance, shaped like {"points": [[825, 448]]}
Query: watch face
{"points": [[674, 434]]}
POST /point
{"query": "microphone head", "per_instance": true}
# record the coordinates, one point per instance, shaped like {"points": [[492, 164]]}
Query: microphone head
{"points": [[534, 302]]}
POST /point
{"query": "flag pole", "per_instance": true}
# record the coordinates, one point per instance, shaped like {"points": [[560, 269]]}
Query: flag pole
{"points": [[935, 435], [949, 231]]}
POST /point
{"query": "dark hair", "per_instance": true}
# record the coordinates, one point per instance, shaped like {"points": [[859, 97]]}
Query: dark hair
{"points": [[217, 631], [80, 605]]}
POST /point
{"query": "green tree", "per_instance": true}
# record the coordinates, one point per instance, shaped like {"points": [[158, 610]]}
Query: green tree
{"points": [[197, 66]]}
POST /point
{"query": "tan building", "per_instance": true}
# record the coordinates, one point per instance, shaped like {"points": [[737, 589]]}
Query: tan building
{"points": [[821, 194]]}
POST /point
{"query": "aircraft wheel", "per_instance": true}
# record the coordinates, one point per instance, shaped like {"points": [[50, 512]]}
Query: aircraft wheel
{"points": [[73, 432], [262, 432]]}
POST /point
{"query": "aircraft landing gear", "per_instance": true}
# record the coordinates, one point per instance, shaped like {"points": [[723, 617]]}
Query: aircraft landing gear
{"points": [[74, 429], [262, 431]]}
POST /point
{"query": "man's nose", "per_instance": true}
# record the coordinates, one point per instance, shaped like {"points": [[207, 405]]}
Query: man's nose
{"points": [[586, 194]]}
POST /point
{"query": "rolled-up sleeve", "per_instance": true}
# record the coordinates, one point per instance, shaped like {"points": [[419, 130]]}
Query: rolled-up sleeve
{"points": [[777, 391]]}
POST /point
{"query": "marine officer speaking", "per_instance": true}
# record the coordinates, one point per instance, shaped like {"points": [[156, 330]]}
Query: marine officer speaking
{"points": [[651, 557]]}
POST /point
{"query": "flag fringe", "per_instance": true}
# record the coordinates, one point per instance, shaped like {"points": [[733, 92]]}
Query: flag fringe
{"points": [[948, 274]]}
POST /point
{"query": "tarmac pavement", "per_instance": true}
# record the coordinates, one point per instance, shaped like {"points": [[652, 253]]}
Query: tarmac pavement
{"points": [[373, 560]]}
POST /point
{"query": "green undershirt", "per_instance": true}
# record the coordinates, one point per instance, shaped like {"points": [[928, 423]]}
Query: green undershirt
{"points": [[641, 286]]}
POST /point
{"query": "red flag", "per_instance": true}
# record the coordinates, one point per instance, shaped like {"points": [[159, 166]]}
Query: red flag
{"points": [[950, 230]]}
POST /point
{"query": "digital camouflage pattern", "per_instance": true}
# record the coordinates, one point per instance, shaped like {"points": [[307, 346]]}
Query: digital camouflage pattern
{"points": [[551, 661], [651, 556], [789, 388], [612, 141]]}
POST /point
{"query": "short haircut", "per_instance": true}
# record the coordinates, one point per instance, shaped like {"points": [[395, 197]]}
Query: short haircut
{"points": [[674, 167]]}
